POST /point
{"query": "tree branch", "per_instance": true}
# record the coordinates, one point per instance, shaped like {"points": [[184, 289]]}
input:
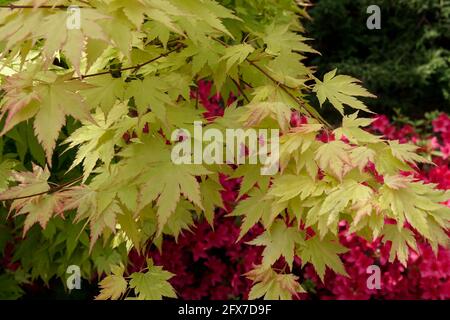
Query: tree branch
{"points": [[13, 6], [241, 91], [314, 114], [285, 88], [50, 191], [136, 67]]}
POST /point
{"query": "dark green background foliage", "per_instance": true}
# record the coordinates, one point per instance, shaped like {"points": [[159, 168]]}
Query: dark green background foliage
{"points": [[406, 63]]}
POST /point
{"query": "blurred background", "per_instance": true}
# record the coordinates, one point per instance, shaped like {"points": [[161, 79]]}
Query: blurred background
{"points": [[406, 63]]}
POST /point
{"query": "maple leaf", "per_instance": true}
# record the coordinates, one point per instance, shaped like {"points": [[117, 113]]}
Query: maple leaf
{"points": [[385, 161], [351, 129], [19, 101], [211, 198], [104, 91], [130, 226], [39, 211], [207, 13], [338, 199], [258, 111], [97, 140], [322, 254], [335, 157], [361, 156], [272, 285], [113, 286], [71, 41], [290, 186], [279, 240], [279, 40], [268, 101], [401, 240], [31, 184], [6, 167], [237, 54], [254, 208], [340, 90], [180, 220], [296, 143], [30, 198], [153, 284], [103, 219], [406, 152], [150, 93], [167, 182], [99, 208], [49, 101], [57, 100], [404, 199], [251, 175]]}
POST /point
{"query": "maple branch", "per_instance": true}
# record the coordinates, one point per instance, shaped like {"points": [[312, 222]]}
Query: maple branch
{"points": [[285, 89], [241, 91], [50, 191], [14, 6], [135, 67]]}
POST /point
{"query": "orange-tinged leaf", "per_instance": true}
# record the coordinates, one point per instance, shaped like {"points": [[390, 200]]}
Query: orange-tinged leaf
{"points": [[114, 285]]}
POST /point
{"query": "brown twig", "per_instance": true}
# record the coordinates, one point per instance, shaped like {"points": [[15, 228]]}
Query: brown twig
{"points": [[50, 191], [14, 6], [136, 67], [241, 91], [283, 87]]}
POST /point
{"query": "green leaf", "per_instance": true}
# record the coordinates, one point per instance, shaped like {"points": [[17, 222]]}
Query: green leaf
{"points": [[279, 240], [272, 285], [153, 284], [237, 54], [401, 240], [322, 253], [6, 167], [113, 286], [340, 90]]}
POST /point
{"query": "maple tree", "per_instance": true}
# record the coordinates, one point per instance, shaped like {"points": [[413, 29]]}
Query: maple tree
{"points": [[110, 93]]}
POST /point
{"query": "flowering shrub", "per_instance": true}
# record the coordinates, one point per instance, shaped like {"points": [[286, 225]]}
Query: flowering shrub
{"points": [[210, 264]]}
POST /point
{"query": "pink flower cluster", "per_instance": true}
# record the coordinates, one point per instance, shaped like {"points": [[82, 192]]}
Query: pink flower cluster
{"points": [[426, 277], [209, 264]]}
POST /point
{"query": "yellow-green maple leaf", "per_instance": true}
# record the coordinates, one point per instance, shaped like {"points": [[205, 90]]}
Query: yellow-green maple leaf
{"points": [[254, 208], [351, 129], [401, 240], [406, 152], [167, 182], [279, 240], [6, 167], [237, 54], [113, 286], [272, 285], [340, 90], [334, 156], [322, 254], [153, 284]]}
